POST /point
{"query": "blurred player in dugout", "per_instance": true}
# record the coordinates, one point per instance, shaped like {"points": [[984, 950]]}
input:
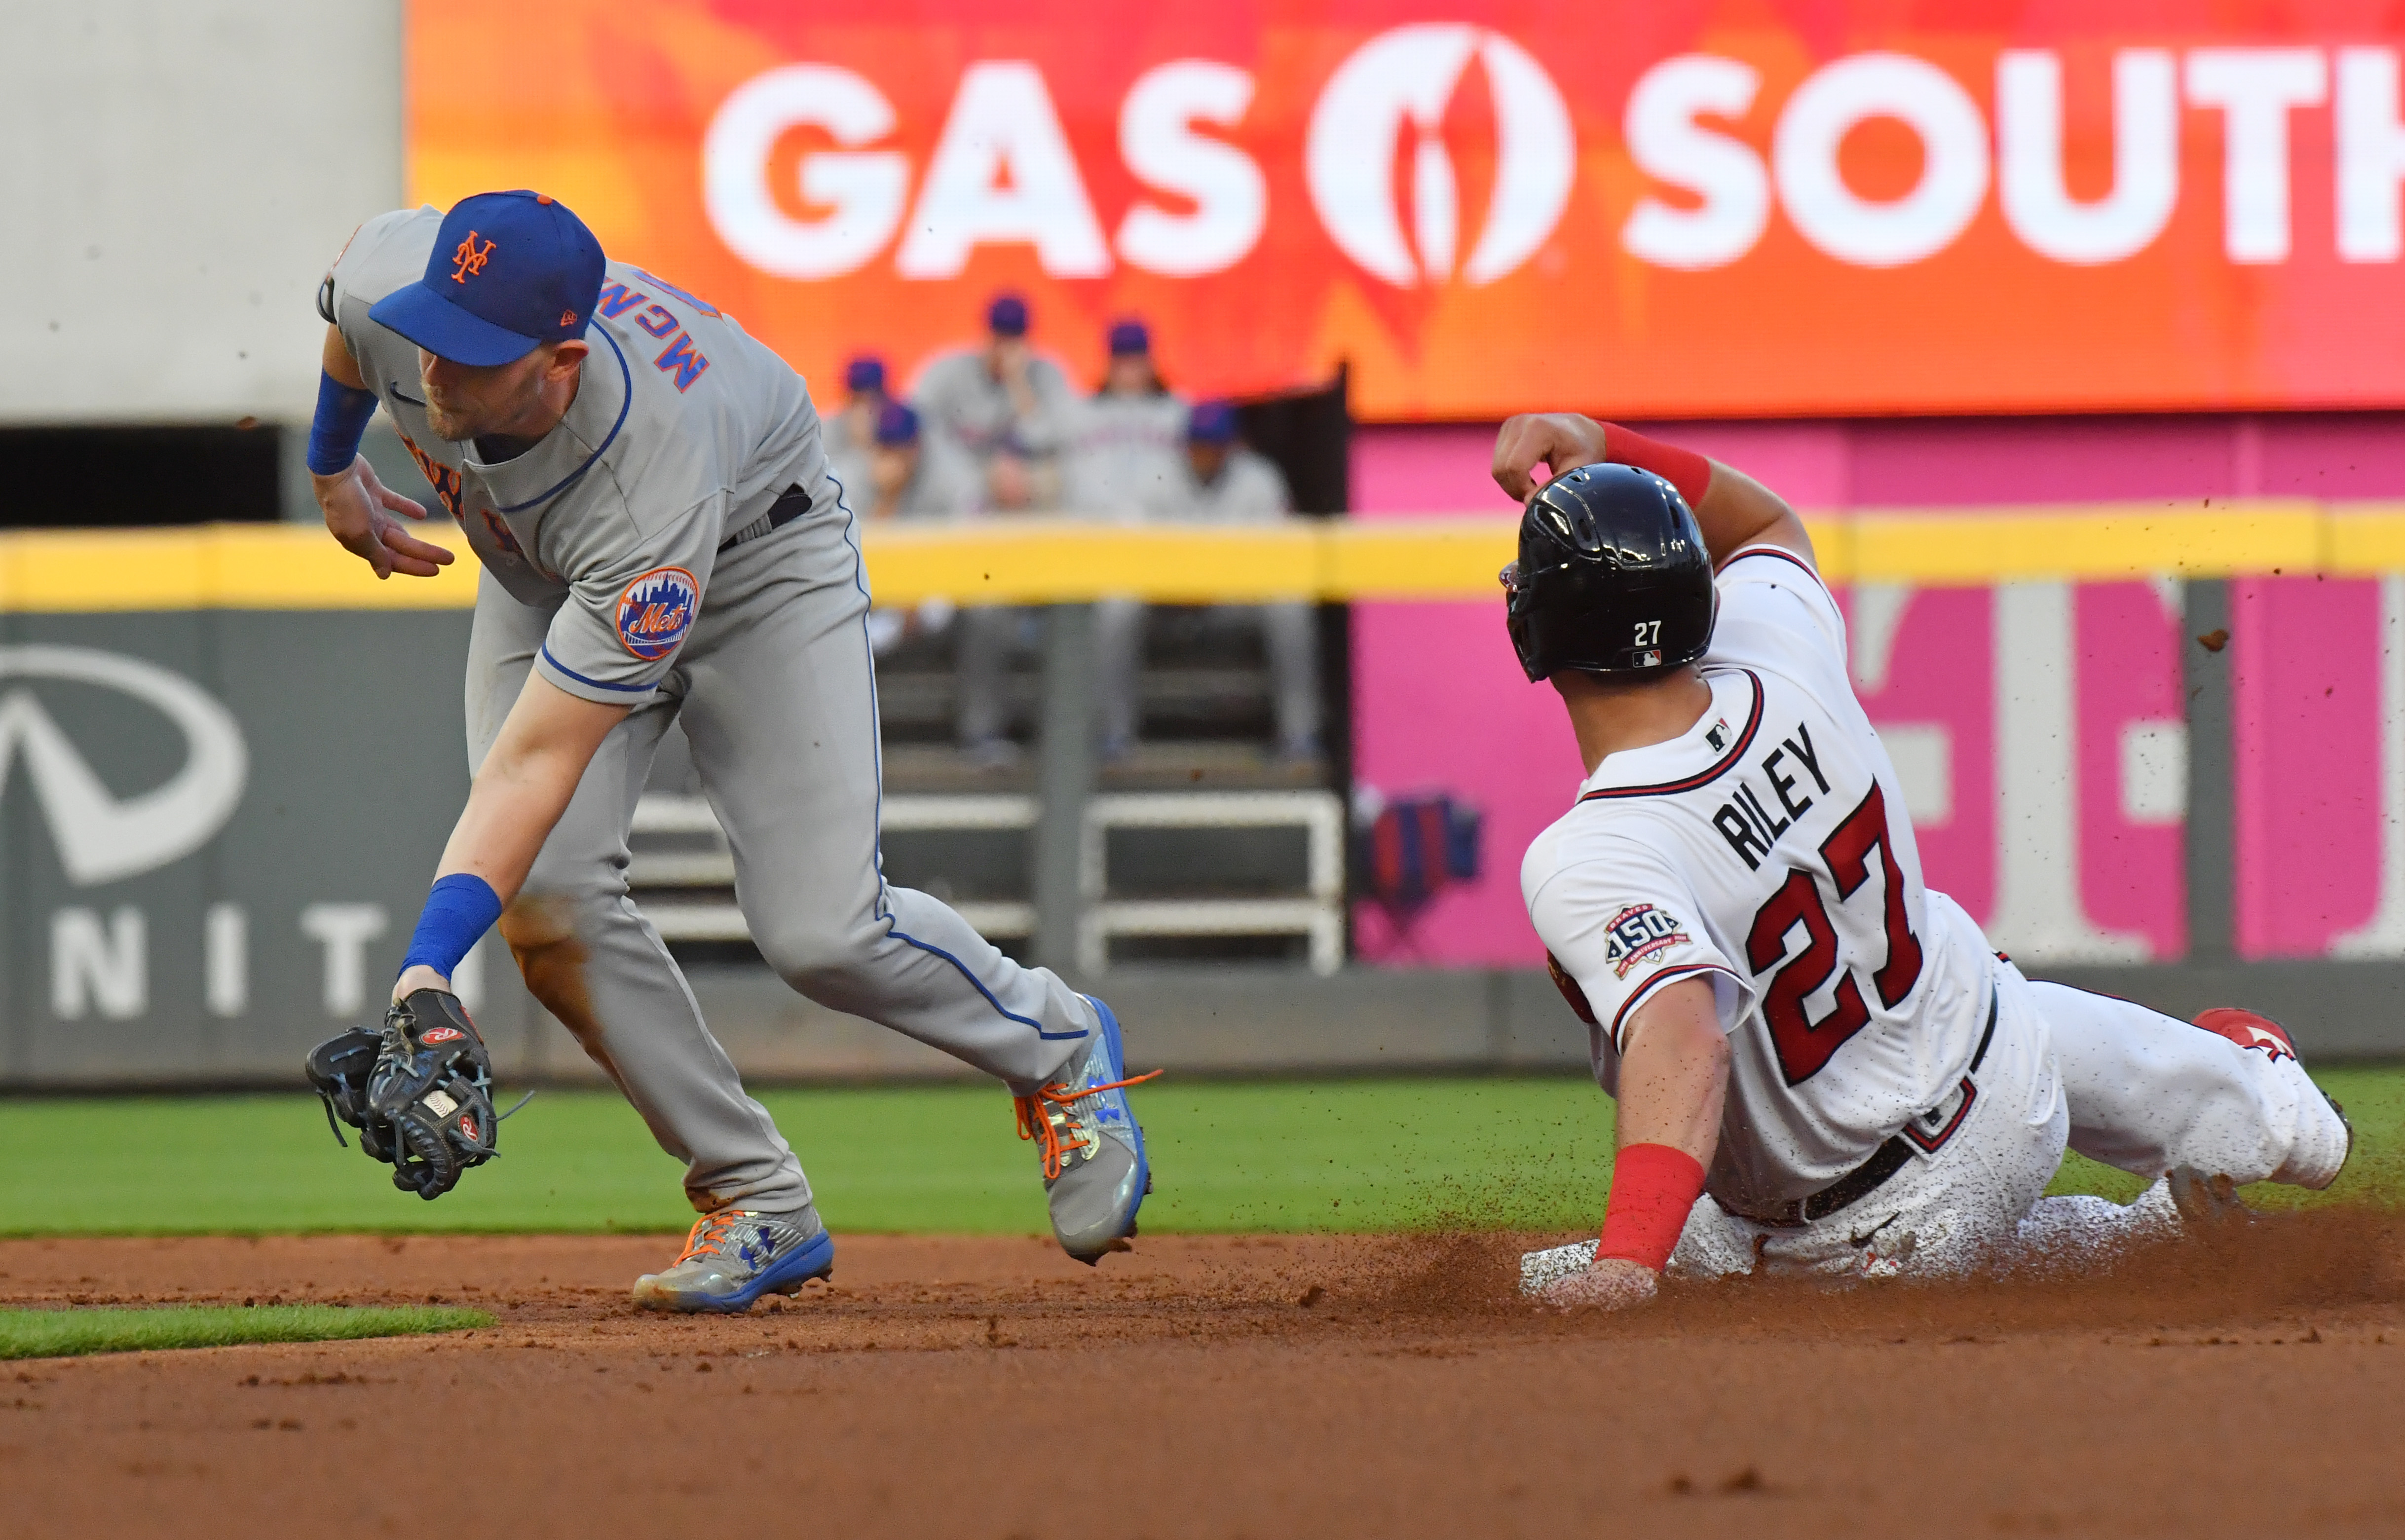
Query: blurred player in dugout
{"points": [[1217, 480], [1011, 442]]}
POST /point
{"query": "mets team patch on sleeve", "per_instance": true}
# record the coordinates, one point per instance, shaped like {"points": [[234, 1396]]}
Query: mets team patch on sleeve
{"points": [[656, 610], [1638, 933]]}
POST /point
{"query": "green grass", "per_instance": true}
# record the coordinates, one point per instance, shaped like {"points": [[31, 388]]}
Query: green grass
{"points": [[1366, 1155], [60, 1334]]}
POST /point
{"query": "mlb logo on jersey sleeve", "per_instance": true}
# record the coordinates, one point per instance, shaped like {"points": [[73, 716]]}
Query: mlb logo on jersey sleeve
{"points": [[1639, 933], [656, 610]]}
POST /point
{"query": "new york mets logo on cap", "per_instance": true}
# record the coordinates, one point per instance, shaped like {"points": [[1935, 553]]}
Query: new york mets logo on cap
{"points": [[656, 610], [470, 258]]}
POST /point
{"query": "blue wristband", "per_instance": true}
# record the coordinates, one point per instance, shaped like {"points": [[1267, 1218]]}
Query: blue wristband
{"points": [[458, 912], [342, 417]]}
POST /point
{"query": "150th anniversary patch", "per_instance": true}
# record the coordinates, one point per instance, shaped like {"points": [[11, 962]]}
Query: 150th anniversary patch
{"points": [[1638, 933], [656, 610]]}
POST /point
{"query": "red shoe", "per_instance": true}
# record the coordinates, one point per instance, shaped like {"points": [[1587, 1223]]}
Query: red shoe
{"points": [[2253, 1029], [2249, 1030]]}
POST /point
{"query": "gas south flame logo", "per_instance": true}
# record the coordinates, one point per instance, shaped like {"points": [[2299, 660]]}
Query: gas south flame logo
{"points": [[1409, 75], [656, 610]]}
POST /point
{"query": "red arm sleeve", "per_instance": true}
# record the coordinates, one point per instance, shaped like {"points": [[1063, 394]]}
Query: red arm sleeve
{"points": [[1690, 472]]}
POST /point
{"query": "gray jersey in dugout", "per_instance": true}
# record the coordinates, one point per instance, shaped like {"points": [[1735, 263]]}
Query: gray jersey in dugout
{"points": [[1249, 490], [966, 414], [935, 491], [684, 430], [1126, 456], [848, 461]]}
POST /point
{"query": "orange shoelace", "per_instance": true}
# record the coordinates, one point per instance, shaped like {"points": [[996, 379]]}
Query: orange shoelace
{"points": [[708, 1231], [1042, 1116]]}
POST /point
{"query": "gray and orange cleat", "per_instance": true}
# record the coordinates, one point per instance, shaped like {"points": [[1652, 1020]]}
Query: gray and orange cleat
{"points": [[2256, 1031], [735, 1256], [1095, 1173]]}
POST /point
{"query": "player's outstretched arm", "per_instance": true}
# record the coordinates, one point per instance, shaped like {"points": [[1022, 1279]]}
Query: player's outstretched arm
{"points": [[1733, 510], [359, 506], [1674, 1075], [519, 792]]}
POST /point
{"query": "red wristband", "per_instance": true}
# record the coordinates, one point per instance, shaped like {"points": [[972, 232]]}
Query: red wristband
{"points": [[1683, 468], [1652, 1188]]}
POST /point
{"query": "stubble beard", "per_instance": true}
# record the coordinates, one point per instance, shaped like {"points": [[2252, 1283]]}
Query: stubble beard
{"points": [[449, 427]]}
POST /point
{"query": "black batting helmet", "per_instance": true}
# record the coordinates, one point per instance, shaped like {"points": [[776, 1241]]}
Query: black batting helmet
{"points": [[1612, 577]]}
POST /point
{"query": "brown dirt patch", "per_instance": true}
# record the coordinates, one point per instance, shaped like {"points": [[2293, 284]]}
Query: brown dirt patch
{"points": [[1225, 1387]]}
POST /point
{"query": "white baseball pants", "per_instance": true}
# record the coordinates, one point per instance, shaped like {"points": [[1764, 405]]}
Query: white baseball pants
{"points": [[2118, 1083]]}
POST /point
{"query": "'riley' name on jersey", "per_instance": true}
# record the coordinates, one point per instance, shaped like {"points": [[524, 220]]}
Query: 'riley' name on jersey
{"points": [[1750, 821]]}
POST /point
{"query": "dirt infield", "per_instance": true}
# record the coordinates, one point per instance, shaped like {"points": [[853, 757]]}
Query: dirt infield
{"points": [[1224, 1387]]}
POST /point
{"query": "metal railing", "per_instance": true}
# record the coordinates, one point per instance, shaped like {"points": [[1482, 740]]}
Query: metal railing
{"points": [[663, 879]]}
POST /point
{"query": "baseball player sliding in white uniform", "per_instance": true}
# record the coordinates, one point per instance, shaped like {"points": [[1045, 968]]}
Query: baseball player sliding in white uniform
{"points": [[1820, 1064], [647, 489]]}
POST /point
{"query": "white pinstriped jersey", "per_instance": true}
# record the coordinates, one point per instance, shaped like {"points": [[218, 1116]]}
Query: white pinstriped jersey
{"points": [[1766, 849]]}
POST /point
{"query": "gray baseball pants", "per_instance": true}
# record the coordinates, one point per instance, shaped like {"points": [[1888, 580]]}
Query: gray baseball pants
{"points": [[777, 692], [1289, 633]]}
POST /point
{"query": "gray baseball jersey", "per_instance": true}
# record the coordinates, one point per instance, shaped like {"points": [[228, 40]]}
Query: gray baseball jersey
{"points": [[1126, 456], [608, 572], [849, 457], [1247, 490], [683, 432], [966, 414]]}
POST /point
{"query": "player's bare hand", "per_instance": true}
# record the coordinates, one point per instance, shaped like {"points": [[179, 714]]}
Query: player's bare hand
{"points": [[1556, 440], [360, 515], [1611, 1283]]}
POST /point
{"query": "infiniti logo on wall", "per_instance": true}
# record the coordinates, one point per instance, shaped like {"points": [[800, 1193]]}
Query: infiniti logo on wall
{"points": [[101, 838], [1411, 72]]}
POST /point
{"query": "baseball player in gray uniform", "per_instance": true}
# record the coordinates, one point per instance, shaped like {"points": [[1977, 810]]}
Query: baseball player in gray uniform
{"points": [[646, 488], [978, 401], [1221, 482]]}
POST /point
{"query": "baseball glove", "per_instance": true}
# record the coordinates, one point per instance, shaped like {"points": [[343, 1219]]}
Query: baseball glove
{"points": [[420, 1092]]}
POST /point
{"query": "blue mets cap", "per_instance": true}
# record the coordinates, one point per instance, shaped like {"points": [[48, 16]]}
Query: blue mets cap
{"points": [[1130, 337], [866, 373], [511, 271], [896, 425], [1211, 423], [1007, 316]]}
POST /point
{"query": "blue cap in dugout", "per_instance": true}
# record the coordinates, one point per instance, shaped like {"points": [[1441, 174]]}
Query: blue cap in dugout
{"points": [[1128, 338], [1007, 316], [511, 271], [896, 425], [1212, 423]]}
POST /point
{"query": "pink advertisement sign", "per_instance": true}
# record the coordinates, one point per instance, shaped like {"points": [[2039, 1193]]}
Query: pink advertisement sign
{"points": [[2038, 727]]}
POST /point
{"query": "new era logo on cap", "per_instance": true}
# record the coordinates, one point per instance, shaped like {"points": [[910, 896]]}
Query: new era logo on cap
{"points": [[508, 273]]}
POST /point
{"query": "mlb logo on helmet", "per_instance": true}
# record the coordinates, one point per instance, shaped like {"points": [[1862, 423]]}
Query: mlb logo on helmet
{"points": [[656, 610]]}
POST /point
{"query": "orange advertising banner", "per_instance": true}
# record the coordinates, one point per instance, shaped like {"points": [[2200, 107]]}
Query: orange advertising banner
{"points": [[1640, 207]]}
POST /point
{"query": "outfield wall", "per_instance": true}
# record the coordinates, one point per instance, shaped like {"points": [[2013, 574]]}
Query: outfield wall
{"points": [[232, 757]]}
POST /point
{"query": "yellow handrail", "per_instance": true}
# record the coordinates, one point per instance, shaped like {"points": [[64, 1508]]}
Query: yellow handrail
{"points": [[293, 566]]}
